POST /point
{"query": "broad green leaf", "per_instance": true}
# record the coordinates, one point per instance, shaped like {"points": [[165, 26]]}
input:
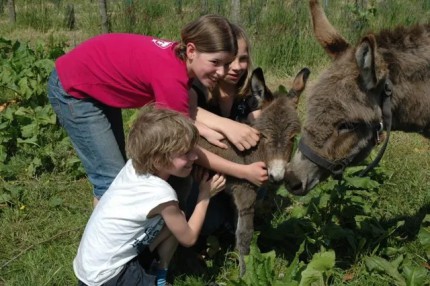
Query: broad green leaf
{"points": [[24, 87], [396, 262], [24, 111], [30, 130], [324, 199], [415, 276], [318, 268], [383, 266], [293, 268], [298, 211], [312, 277], [424, 235], [322, 261], [259, 266], [361, 183], [32, 141]]}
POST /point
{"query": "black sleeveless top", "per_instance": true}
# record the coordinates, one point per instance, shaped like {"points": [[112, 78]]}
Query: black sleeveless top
{"points": [[239, 110]]}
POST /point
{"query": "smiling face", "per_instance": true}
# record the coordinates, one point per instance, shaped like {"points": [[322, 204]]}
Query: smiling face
{"points": [[208, 68], [240, 64], [181, 165]]}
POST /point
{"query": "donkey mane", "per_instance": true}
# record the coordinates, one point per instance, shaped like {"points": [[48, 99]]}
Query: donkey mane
{"points": [[406, 50], [403, 37]]}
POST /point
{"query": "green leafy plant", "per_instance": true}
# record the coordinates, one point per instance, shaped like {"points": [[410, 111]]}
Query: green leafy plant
{"points": [[31, 141], [401, 271], [424, 235]]}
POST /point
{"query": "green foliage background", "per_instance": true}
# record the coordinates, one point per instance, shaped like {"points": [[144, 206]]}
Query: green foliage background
{"points": [[363, 231]]}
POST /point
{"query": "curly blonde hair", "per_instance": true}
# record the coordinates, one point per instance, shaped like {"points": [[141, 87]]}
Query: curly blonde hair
{"points": [[156, 135]]}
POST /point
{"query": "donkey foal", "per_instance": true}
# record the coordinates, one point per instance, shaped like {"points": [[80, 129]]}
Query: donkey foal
{"points": [[278, 125]]}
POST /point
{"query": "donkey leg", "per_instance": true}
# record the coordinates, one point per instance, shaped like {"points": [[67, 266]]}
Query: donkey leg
{"points": [[244, 200]]}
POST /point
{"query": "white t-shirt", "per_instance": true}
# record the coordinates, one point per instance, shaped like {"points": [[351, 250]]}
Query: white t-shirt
{"points": [[118, 228]]}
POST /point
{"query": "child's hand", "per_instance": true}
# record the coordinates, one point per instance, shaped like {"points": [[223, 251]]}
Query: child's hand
{"points": [[256, 173], [241, 135], [217, 184], [209, 186], [215, 138]]}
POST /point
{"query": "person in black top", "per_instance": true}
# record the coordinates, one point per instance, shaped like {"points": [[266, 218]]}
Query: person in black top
{"points": [[228, 99]]}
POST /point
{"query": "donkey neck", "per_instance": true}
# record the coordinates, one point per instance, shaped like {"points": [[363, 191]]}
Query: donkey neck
{"points": [[406, 52]]}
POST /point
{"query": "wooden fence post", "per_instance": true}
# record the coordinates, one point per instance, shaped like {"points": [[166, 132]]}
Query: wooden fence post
{"points": [[12, 13], [104, 16], [204, 7], [235, 11], [179, 6], [69, 19]]}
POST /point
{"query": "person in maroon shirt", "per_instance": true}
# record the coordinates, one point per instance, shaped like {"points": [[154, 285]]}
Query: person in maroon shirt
{"points": [[92, 83]]}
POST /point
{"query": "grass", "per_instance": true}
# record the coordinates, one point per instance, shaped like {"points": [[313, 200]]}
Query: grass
{"points": [[41, 231], [42, 222]]}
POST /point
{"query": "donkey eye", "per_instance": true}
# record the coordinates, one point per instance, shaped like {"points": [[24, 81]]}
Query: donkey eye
{"points": [[345, 127], [263, 136]]}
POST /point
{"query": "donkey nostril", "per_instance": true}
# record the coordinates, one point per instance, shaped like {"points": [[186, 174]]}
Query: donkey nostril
{"points": [[295, 186], [275, 179], [271, 178]]}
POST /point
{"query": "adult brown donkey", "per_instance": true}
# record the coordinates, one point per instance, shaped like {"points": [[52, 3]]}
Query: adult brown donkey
{"points": [[278, 125], [385, 79]]}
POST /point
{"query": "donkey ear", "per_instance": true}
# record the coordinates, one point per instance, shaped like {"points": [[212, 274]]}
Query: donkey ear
{"points": [[257, 82], [258, 86], [332, 42], [365, 58], [299, 85]]}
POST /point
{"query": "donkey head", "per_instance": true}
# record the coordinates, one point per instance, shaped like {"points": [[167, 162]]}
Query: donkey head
{"points": [[278, 123], [344, 111]]}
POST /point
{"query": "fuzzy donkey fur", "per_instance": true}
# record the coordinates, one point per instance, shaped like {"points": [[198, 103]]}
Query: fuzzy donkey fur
{"points": [[344, 105], [278, 125]]}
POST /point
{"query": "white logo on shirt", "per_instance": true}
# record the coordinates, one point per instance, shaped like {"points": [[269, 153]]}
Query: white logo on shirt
{"points": [[162, 44]]}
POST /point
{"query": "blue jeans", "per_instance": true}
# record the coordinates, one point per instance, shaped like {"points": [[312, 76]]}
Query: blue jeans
{"points": [[96, 132]]}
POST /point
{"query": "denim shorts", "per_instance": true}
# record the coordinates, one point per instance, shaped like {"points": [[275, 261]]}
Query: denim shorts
{"points": [[132, 274], [96, 131]]}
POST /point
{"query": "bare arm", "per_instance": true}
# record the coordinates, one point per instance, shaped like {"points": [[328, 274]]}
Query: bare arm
{"points": [[213, 127], [256, 173], [187, 232], [253, 115], [212, 136], [241, 135]]}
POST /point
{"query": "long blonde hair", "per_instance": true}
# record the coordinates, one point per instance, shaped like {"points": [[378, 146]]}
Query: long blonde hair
{"points": [[243, 83], [210, 34]]}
